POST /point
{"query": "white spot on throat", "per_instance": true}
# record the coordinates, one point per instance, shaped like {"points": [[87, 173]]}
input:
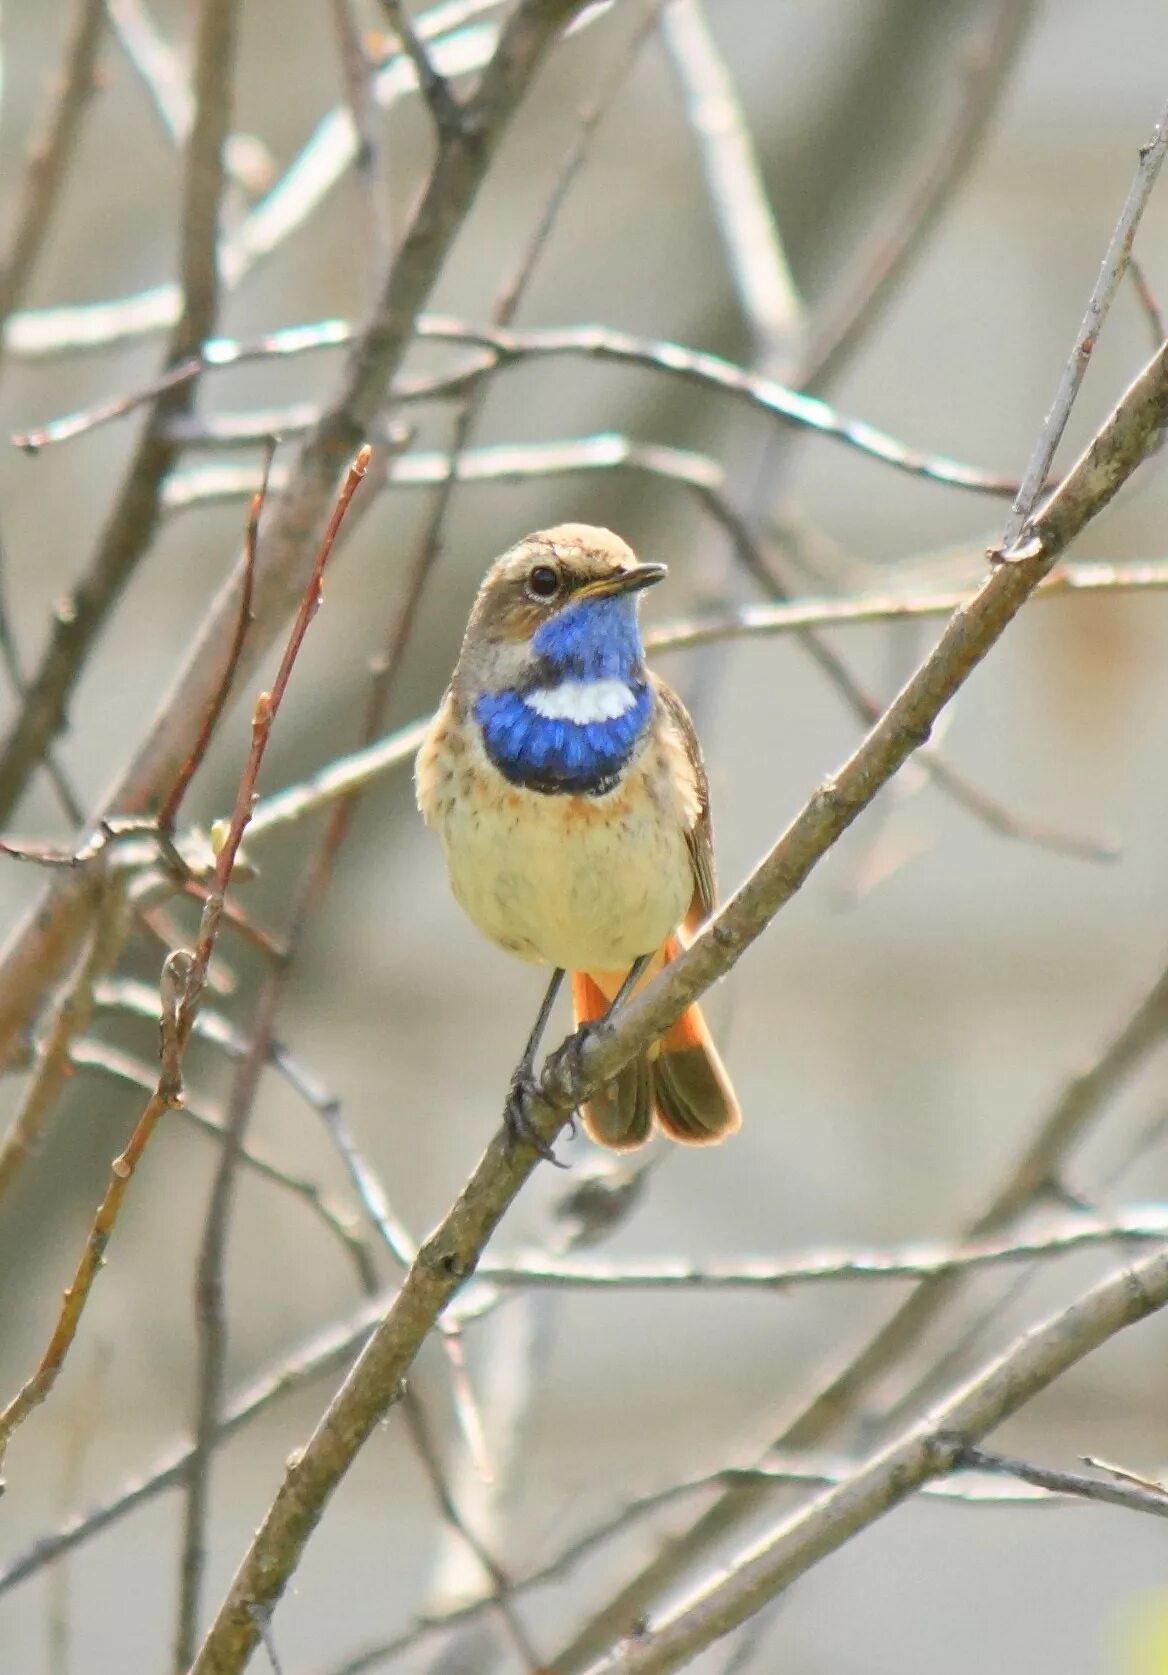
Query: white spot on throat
{"points": [[581, 700]]}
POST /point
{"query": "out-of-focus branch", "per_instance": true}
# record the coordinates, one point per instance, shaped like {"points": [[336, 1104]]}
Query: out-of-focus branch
{"points": [[754, 250], [1111, 271], [927, 1450], [134, 519], [211, 1320], [461, 45], [50, 151], [184, 977], [1080, 1103], [510, 346], [880, 270], [451, 1252], [40, 945], [87, 1054], [69, 1017]]}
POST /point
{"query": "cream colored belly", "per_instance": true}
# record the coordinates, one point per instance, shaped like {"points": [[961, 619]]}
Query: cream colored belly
{"points": [[580, 882]]}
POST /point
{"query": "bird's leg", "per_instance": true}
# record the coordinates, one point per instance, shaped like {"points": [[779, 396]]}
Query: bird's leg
{"points": [[523, 1083], [576, 1043], [632, 978]]}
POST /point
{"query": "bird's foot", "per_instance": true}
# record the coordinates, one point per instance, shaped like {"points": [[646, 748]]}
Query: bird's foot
{"points": [[523, 1091]]}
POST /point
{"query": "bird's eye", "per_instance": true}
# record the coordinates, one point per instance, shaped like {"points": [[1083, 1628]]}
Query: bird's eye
{"points": [[543, 582]]}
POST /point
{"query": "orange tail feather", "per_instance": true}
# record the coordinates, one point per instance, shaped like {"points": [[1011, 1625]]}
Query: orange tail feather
{"points": [[680, 1081]]}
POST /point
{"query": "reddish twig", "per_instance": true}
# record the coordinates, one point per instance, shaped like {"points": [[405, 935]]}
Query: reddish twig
{"points": [[168, 812], [184, 977]]}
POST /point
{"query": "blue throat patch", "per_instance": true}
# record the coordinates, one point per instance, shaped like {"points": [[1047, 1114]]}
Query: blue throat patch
{"points": [[596, 639]]}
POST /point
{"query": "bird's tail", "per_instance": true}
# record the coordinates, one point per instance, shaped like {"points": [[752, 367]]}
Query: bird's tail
{"points": [[680, 1081]]}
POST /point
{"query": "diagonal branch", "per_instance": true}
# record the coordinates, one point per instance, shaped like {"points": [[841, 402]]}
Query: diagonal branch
{"points": [[928, 1450], [49, 153], [452, 1251]]}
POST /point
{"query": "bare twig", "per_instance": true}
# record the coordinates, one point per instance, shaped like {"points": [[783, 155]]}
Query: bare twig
{"points": [[372, 157], [184, 977], [1148, 301], [1134, 1497], [1115, 262], [929, 1449], [881, 268], [134, 518], [69, 1018], [921, 1262], [754, 249], [86, 1054], [514, 347], [50, 151], [1071, 507], [172, 802], [210, 1316], [461, 46], [44, 941], [501, 1584], [435, 89], [1070, 1116]]}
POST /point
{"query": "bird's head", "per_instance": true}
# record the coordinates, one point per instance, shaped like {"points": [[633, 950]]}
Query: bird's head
{"points": [[552, 664]]}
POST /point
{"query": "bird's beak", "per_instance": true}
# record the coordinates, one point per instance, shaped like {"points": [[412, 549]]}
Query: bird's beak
{"points": [[624, 581]]}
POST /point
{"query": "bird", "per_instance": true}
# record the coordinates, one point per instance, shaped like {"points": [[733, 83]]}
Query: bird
{"points": [[566, 783]]}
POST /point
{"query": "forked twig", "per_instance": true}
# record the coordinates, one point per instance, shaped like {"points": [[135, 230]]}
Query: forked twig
{"points": [[184, 976]]}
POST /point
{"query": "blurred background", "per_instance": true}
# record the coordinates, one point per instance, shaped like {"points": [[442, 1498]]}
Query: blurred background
{"points": [[897, 1035]]}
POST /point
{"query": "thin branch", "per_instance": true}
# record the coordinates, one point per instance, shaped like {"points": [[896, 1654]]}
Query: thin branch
{"points": [[939, 769], [184, 976], [172, 802], [1130, 1496], [444, 108], [749, 621], [132, 523], [209, 1281], [461, 47], [323, 1354], [70, 1016], [899, 238], [501, 1584], [86, 1054], [510, 347], [1148, 301], [161, 73], [357, 78], [1069, 1118], [827, 1267], [709, 371], [754, 251], [211, 1318], [51, 151], [927, 1450], [1115, 262]]}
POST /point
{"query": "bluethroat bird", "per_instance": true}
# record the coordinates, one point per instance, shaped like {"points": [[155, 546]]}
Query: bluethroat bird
{"points": [[566, 783]]}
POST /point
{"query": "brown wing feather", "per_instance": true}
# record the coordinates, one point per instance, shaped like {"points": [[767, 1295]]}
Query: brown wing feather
{"points": [[700, 837]]}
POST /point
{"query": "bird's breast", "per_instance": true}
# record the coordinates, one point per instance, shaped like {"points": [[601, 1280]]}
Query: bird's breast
{"points": [[588, 881]]}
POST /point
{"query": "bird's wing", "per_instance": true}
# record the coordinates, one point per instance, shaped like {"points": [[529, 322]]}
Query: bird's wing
{"points": [[699, 836]]}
